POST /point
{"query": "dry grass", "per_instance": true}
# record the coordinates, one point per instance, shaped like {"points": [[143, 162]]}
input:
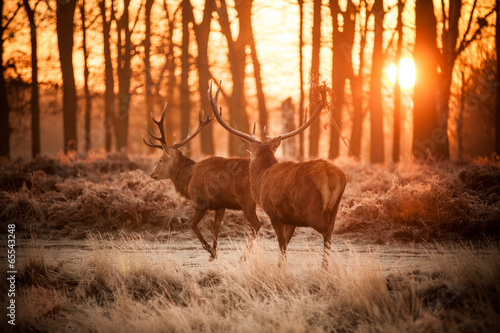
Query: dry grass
{"points": [[121, 287], [69, 196]]}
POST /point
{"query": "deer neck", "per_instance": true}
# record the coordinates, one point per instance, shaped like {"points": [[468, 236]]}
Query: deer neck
{"points": [[258, 167], [181, 175]]}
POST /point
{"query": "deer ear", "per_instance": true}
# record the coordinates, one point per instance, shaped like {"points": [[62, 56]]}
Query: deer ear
{"points": [[276, 143], [247, 145]]}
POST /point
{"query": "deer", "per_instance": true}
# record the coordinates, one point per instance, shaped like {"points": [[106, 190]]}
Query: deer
{"points": [[215, 183], [293, 194]]}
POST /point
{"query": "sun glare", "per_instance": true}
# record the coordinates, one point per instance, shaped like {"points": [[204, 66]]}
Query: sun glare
{"points": [[406, 75]]}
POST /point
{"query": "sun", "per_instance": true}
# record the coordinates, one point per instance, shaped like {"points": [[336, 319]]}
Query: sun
{"points": [[406, 75]]}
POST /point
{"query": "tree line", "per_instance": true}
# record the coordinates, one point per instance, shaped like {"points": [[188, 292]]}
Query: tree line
{"points": [[361, 41]]}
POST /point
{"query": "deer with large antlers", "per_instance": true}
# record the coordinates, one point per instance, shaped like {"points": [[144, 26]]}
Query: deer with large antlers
{"points": [[215, 183], [304, 194]]}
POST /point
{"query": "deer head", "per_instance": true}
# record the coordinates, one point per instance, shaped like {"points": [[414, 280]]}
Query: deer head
{"points": [[171, 154], [251, 144]]}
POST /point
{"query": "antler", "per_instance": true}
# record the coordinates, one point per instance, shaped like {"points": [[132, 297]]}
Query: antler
{"points": [[285, 135], [218, 116], [203, 121]]}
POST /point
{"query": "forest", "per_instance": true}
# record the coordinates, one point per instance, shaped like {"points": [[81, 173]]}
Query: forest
{"points": [[94, 239], [81, 75]]}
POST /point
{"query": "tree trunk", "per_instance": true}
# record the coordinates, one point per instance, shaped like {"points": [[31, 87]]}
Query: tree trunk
{"points": [[236, 106], [124, 75], [357, 91], [65, 14], [246, 38], [185, 101], [88, 99], [396, 144], [147, 63], [5, 110], [315, 63], [170, 67], [202, 32], [497, 113], [35, 103], [301, 76], [428, 137], [376, 112], [109, 93], [343, 40]]}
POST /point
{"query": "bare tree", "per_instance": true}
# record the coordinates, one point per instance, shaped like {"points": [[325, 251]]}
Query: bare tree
{"points": [[376, 112], [301, 75], [185, 64], [246, 38], [88, 97], [497, 113], [109, 94], [236, 102], [5, 110], [202, 33], [357, 81], [315, 64], [431, 136], [396, 144], [343, 40], [35, 101], [147, 60], [425, 121]]}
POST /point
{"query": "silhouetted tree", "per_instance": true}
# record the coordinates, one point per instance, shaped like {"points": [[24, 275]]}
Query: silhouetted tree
{"points": [[246, 38], [109, 93], [497, 113], [185, 64], [301, 75], [65, 14], [376, 111], [124, 74], [396, 144], [440, 82], [202, 33], [315, 63], [88, 97], [236, 107], [427, 134], [147, 62], [35, 102], [357, 82], [342, 42], [4, 102]]}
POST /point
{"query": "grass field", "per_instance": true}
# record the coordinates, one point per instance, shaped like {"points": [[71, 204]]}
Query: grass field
{"points": [[103, 248]]}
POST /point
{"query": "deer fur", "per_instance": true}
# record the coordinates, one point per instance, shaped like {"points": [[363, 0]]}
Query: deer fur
{"points": [[215, 183], [303, 194]]}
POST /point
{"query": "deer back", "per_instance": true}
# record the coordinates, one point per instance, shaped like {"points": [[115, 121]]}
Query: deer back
{"points": [[298, 192], [219, 182]]}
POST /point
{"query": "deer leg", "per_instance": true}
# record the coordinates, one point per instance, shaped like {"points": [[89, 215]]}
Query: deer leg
{"points": [[289, 230], [198, 215], [326, 249], [280, 233], [255, 225], [219, 214]]}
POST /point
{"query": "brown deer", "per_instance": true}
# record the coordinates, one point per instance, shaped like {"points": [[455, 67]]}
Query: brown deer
{"points": [[304, 194], [215, 183]]}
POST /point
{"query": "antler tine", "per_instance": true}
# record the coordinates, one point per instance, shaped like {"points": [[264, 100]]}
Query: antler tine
{"points": [[315, 114], [202, 123], [218, 115], [151, 144], [158, 123], [265, 131]]}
